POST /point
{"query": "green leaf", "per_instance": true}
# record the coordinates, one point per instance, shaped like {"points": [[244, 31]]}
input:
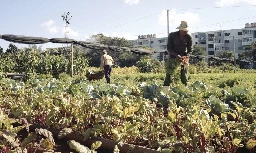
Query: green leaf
{"points": [[96, 145], [116, 150], [28, 139], [64, 132], [236, 142], [251, 143], [78, 147]]}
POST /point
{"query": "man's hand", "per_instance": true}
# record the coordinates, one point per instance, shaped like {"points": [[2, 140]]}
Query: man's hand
{"points": [[179, 57], [184, 60]]}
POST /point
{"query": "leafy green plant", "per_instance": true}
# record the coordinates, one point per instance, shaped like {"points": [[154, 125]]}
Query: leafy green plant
{"points": [[147, 64]]}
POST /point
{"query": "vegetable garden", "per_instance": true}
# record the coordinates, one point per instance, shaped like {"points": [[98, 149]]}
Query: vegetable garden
{"points": [[49, 111], [214, 113]]}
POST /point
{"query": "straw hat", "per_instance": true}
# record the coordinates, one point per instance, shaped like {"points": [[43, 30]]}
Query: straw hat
{"points": [[183, 26]]}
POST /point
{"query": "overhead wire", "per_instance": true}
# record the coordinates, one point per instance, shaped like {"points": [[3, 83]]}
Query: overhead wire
{"points": [[227, 21], [142, 18], [197, 8]]}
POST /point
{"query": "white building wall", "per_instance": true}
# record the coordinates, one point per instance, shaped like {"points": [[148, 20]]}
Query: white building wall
{"points": [[213, 41], [249, 36], [223, 40], [157, 44]]}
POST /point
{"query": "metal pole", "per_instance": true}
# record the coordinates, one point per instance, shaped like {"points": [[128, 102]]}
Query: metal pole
{"points": [[72, 61], [167, 23], [234, 53], [167, 29]]}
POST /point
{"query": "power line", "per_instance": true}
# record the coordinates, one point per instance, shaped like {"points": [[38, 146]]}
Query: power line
{"points": [[215, 7], [196, 8], [227, 21], [124, 24], [206, 25]]}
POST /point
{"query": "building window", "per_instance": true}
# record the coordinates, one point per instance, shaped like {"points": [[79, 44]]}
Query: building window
{"points": [[210, 45], [240, 48], [210, 52], [196, 36], [226, 41], [196, 42], [239, 33], [163, 47], [140, 43], [246, 31], [227, 34], [162, 41], [254, 34], [226, 48], [151, 42], [145, 42]]}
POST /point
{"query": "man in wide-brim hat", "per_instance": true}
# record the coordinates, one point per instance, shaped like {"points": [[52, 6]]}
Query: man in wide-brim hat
{"points": [[178, 46]]}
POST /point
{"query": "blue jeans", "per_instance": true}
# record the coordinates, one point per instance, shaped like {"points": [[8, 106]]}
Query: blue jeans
{"points": [[107, 70]]}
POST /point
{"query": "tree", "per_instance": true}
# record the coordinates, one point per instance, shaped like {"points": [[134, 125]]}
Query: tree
{"points": [[34, 47], [122, 58], [249, 52], [198, 50], [226, 54], [128, 59], [1, 50], [12, 48], [148, 65]]}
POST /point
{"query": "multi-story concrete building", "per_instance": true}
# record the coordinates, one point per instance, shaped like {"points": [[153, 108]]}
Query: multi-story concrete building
{"points": [[226, 40], [213, 41], [150, 40]]}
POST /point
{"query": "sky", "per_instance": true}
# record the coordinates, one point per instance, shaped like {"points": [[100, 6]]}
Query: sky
{"points": [[119, 18]]}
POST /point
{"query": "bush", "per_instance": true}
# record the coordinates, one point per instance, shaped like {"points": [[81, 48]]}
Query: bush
{"points": [[226, 67], [147, 65], [202, 66], [192, 69]]}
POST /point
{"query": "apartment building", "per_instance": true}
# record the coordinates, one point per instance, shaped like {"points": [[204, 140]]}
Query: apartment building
{"points": [[213, 41], [157, 44], [226, 40]]}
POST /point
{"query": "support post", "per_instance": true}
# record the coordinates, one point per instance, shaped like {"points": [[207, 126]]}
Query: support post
{"points": [[72, 60], [234, 54], [167, 29], [167, 23]]}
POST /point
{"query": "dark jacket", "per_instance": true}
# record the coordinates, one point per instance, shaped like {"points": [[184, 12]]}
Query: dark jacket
{"points": [[181, 47]]}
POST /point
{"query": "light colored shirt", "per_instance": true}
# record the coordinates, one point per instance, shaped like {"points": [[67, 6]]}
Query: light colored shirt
{"points": [[106, 60]]}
